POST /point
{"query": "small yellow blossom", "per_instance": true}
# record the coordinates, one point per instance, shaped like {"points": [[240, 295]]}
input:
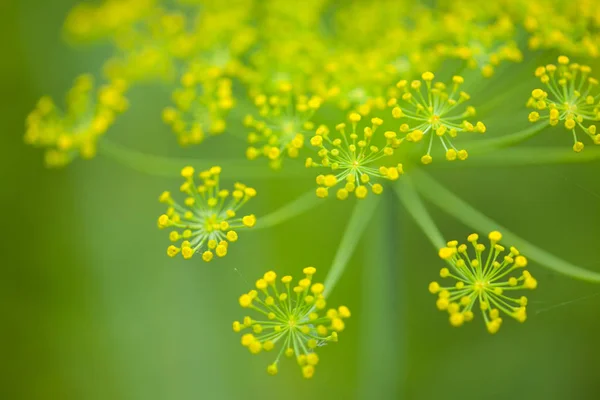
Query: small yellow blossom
{"points": [[570, 99], [486, 280], [428, 111], [208, 220], [291, 318], [283, 122], [75, 131], [354, 159]]}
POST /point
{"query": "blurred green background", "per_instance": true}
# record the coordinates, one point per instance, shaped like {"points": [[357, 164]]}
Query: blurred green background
{"points": [[92, 308]]}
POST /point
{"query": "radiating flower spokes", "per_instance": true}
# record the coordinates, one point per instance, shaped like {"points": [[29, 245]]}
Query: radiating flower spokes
{"points": [[572, 97], [291, 317], [485, 280], [355, 159], [432, 113], [208, 219]]}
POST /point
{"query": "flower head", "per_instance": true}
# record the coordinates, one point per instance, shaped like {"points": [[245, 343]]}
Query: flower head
{"points": [[90, 112], [88, 21], [291, 317], [202, 104], [431, 111], [571, 98], [569, 26], [354, 158], [485, 280], [284, 120], [208, 220], [483, 38]]}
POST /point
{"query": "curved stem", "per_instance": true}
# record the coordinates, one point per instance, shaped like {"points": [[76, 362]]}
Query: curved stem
{"points": [[414, 205], [305, 202], [536, 156], [484, 146], [361, 215], [171, 167], [465, 213]]}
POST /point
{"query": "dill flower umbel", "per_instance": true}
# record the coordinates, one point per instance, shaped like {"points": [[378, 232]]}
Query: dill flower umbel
{"points": [[202, 104], [89, 21], [482, 39], [568, 26], [89, 113], [292, 317], [430, 111], [208, 220], [353, 158], [485, 280], [284, 120], [571, 99]]}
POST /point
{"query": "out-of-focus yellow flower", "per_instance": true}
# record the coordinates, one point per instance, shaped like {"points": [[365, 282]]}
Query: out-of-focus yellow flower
{"points": [[201, 104], [89, 113], [283, 121]]}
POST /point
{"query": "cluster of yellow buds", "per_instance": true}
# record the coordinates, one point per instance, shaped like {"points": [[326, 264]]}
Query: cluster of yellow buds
{"points": [[567, 26], [89, 21], [482, 46], [292, 317], [433, 112], [354, 160], [201, 106], [279, 130], [208, 220], [570, 98], [483, 279], [89, 113]]}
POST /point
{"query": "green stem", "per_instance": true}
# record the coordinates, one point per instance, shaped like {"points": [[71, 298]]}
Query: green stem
{"points": [[465, 213], [414, 205], [363, 211], [536, 156], [485, 146], [497, 101], [302, 204], [383, 329], [171, 167]]}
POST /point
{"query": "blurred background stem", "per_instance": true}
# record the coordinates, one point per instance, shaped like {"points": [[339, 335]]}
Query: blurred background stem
{"points": [[359, 220], [383, 339]]}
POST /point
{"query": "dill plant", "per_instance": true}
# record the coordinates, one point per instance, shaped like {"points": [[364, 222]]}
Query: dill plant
{"points": [[278, 74]]}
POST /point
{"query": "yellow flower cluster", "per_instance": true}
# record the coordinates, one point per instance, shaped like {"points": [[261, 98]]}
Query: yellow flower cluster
{"points": [[571, 98], [89, 113], [90, 22], [354, 159], [430, 110], [208, 219], [201, 105], [569, 26], [482, 42], [291, 317], [158, 43], [485, 280], [282, 123]]}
